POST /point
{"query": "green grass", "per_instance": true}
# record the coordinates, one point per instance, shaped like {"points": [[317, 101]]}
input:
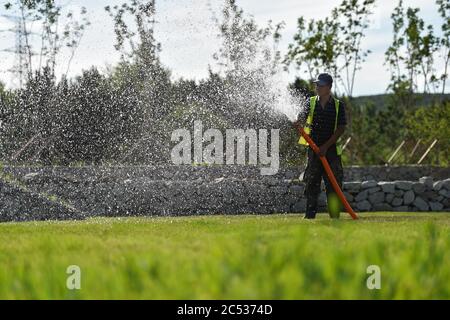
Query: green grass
{"points": [[229, 257]]}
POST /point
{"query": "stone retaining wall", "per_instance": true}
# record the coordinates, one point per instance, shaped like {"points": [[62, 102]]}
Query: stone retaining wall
{"points": [[20, 204], [133, 191], [208, 173], [422, 195]]}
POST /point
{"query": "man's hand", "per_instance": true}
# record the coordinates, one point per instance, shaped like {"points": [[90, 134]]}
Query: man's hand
{"points": [[323, 149]]}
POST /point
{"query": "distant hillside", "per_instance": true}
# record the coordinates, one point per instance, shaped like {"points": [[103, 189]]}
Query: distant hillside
{"points": [[381, 100]]}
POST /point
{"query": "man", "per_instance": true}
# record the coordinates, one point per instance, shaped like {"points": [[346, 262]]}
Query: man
{"points": [[325, 123]]}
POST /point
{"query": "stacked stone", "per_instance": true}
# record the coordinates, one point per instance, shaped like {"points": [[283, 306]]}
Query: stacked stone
{"points": [[21, 204], [170, 193], [422, 195]]}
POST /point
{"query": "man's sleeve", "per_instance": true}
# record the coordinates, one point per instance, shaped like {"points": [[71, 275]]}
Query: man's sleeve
{"points": [[342, 119]]}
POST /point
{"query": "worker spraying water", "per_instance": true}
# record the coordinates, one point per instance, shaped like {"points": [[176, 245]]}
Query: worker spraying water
{"points": [[321, 124]]}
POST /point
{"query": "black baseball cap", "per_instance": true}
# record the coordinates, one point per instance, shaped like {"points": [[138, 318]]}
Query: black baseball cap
{"points": [[324, 79]]}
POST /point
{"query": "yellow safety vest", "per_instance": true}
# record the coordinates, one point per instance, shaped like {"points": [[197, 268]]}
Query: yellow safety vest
{"points": [[309, 121]]}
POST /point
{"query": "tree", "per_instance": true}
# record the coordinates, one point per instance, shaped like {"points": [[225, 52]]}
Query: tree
{"points": [[140, 52], [333, 44], [393, 56], [244, 44], [429, 123], [42, 46], [6, 100], [420, 48], [316, 47], [411, 53], [249, 61], [141, 69], [136, 40], [355, 15], [444, 10], [73, 33]]}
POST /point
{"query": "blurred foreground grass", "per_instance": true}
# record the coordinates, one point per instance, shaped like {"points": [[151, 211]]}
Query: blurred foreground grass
{"points": [[229, 257]]}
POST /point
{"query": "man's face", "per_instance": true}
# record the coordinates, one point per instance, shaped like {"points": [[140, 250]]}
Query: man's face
{"points": [[323, 90]]}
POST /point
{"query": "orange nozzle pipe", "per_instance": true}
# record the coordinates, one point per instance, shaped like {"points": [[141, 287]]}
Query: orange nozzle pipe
{"points": [[330, 174]]}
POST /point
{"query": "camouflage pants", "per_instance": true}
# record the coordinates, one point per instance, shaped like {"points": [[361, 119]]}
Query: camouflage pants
{"points": [[313, 177]]}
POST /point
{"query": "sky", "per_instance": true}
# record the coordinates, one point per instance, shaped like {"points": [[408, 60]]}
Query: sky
{"points": [[188, 37]]}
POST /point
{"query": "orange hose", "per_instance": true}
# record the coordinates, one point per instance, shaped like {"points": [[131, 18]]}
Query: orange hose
{"points": [[330, 174]]}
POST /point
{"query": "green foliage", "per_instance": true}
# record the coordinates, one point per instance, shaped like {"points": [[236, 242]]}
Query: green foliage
{"points": [[412, 52], [127, 114], [6, 95], [368, 129], [333, 44], [135, 40], [380, 125], [444, 11], [315, 46], [226, 257], [430, 123], [241, 38], [42, 19], [355, 16], [61, 123]]}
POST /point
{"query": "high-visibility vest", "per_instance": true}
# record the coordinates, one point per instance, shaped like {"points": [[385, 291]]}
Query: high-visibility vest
{"points": [[309, 122]]}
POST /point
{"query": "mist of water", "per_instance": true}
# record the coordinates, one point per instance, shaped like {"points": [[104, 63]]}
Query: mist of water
{"points": [[259, 78]]}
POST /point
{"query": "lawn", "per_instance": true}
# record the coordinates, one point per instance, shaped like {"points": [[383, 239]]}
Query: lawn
{"points": [[229, 257]]}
